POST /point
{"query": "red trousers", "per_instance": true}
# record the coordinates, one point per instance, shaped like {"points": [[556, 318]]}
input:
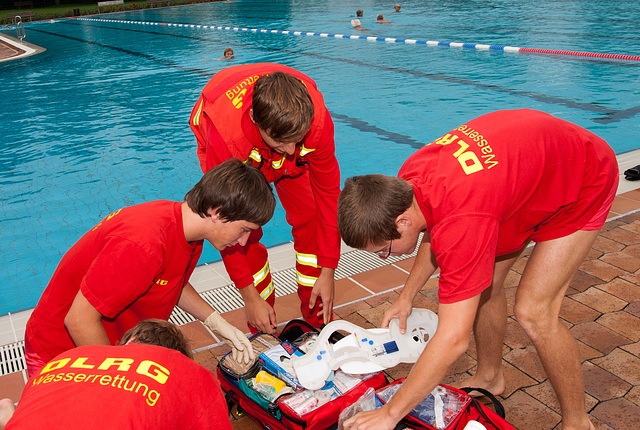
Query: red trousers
{"points": [[249, 264]]}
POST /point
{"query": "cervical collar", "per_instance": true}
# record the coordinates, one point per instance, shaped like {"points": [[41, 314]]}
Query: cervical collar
{"points": [[364, 350]]}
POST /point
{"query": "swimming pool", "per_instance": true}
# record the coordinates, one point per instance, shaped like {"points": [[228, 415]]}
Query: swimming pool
{"points": [[100, 120]]}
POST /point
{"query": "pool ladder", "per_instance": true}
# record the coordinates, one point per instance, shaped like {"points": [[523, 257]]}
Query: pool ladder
{"points": [[20, 34]]}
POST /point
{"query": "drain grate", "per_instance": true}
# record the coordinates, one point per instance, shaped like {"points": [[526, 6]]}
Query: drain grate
{"points": [[12, 358], [227, 298]]}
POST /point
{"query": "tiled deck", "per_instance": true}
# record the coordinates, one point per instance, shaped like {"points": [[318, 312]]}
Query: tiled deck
{"points": [[602, 309]]}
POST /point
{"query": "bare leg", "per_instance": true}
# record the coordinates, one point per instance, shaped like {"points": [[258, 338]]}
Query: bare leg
{"points": [[7, 408], [489, 330], [545, 280]]}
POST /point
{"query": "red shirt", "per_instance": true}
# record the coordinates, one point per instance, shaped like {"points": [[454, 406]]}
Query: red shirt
{"points": [[500, 179], [223, 128], [122, 387], [131, 266]]}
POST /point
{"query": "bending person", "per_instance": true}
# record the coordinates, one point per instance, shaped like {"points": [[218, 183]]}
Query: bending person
{"points": [[149, 382], [136, 264], [274, 117], [480, 193]]}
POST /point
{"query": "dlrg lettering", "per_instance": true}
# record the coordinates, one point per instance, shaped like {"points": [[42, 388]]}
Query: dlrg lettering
{"points": [[467, 158], [128, 381]]}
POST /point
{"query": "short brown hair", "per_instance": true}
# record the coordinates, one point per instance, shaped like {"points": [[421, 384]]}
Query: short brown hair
{"points": [[158, 332], [368, 207], [238, 191], [282, 106]]}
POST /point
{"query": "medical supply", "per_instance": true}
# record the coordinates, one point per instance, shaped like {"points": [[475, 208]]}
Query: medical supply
{"points": [[260, 342], [265, 378], [439, 409], [364, 350]]}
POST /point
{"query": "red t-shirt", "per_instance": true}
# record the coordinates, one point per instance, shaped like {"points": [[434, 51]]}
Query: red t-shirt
{"points": [[122, 387], [223, 128], [131, 266], [500, 179]]}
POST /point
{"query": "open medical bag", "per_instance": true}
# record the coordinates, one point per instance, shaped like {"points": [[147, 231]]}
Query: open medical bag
{"points": [[298, 408], [448, 408]]}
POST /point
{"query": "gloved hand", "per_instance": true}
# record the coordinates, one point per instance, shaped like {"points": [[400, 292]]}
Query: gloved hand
{"points": [[240, 346]]}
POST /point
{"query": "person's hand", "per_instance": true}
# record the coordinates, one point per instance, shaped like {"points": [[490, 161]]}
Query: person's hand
{"points": [[241, 349], [400, 309], [374, 420], [258, 312], [325, 289]]}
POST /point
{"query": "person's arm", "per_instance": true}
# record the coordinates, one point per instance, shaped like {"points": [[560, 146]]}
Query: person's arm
{"points": [[325, 289], [190, 301], [84, 323], [324, 176], [423, 267], [450, 341], [259, 313]]}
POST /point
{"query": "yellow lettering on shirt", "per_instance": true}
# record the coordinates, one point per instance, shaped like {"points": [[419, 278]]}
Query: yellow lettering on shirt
{"points": [[79, 363], [154, 371], [467, 158], [123, 364], [129, 377], [237, 93]]}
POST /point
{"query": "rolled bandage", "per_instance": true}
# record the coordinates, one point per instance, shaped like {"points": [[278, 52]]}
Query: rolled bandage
{"points": [[265, 378]]}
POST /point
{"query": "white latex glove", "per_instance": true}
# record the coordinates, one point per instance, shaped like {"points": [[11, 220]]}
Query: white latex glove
{"points": [[240, 346]]}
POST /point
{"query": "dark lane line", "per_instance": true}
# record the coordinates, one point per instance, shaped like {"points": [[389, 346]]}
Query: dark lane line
{"points": [[606, 116]]}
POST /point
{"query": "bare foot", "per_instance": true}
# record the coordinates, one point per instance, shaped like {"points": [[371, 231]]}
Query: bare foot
{"points": [[495, 386], [7, 408], [591, 426]]}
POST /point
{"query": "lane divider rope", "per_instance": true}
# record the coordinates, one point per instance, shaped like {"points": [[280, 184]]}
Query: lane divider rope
{"points": [[476, 46]]}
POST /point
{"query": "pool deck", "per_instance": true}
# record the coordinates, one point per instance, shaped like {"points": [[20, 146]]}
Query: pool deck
{"points": [[12, 48]]}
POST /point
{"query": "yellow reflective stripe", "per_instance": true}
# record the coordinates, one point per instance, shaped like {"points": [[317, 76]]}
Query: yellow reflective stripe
{"points": [[307, 259], [304, 151], [196, 117], [255, 155], [261, 275], [267, 291], [277, 163], [307, 281]]}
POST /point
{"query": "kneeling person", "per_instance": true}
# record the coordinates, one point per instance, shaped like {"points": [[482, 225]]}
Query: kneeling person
{"points": [[136, 264], [149, 382]]}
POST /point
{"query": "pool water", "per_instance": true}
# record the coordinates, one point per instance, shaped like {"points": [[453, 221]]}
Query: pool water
{"points": [[100, 120]]}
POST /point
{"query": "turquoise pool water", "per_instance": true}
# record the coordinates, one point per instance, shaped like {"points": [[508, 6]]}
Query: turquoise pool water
{"points": [[100, 120]]}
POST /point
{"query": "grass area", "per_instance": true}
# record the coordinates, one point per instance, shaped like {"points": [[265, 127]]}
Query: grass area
{"points": [[80, 9]]}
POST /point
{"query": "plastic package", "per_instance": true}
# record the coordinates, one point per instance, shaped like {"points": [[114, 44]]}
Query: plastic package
{"points": [[277, 360], [438, 410], [367, 402], [260, 342], [306, 401], [265, 378], [268, 386]]}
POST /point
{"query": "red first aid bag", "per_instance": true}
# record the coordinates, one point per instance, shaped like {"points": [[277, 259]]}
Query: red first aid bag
{"points": [[278, 415], [455, 408]]}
